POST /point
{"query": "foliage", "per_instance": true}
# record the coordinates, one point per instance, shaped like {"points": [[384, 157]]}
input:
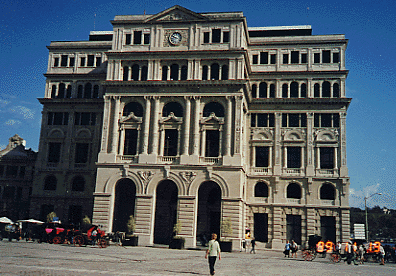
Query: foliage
{"points": [[177, 228], [86, 220], [131, 224], [381, 225], [51, 216]]}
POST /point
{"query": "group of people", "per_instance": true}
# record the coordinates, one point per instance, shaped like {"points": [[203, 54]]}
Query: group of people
{"points": [[291, 247]]}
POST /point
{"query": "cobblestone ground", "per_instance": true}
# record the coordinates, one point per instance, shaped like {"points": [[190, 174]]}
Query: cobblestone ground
{"points": [[22, 258]]}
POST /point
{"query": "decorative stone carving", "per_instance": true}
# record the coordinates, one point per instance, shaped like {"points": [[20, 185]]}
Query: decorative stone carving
{"points": [[145, 176], [188, 177]]}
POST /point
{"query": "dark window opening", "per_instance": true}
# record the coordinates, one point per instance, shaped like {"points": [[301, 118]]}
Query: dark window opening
{"points": [[325, 120], [164, 73], [316, 57], [68, 91], [294, 90], [226, 37], [326, 56], [146, 39], [212, 143], [261, 190], [64, 60], [53, 92], [54, 152], [273, 59], [303, 90], [255, 59], [336, 57], [285, 91], [78, 184], [91, 59], [134, 107], [137, 37], [326, 89], [50, 183], [98, 61], [82, 62], [206, 37], [135, 72], [213, 107], [262, 157], [293, 228], [144, 73], [294, 157], [293, 191], [263, 90], [128, 39], [254, 91], [264, 58], [87, 91], [316, 90], [130, 142], [326, 158], [174, 72], [170, 143], [172, 107], [71, 62], [95, 92], [80, 92], [303, 58], [272, 91], [336, 90], [261, 227], [214, 71], [205, 71], [216, 34], [224, 72], [295, 57], [56, 62], [61, 92], [75, 214], [285, 58], [327, 191], [184, 73], [81, 154]]}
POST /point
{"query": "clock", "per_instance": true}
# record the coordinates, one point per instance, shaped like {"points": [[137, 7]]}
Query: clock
{"points": [[175, 38]]}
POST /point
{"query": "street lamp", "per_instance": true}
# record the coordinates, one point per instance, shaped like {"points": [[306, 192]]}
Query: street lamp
{"points": [[365, 208]]}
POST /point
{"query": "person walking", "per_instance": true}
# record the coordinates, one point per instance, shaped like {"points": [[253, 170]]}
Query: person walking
{"points": [[382, 255], [294, 249], [253, 244], [287, 249], [212, 252]]}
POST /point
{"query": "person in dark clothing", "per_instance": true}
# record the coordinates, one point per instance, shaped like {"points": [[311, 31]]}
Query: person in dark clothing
{"points": [[253, 243]]}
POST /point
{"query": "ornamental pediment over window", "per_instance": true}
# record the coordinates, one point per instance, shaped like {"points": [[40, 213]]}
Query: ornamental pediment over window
{"points": [[326, 135], [131, 119], [293, 135], [212, 119], [171, 119], [261, 135], [176, 13]]}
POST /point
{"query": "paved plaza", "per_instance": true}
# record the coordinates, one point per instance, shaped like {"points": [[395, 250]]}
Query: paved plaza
{"points": [[22, 258]]}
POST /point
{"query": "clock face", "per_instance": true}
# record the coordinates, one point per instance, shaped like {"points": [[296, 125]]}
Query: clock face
{"points": [[175, 38]]}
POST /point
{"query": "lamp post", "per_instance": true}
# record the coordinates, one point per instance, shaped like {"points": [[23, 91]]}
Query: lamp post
{"points": [[365, 208]]}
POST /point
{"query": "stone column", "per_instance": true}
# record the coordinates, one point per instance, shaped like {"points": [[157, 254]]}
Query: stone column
{"points": [[114, 143], [196, 128], [186, 141], [309, 145], [227, 150], [146, 125], [342, 142], [154, 148], [277, 144]]}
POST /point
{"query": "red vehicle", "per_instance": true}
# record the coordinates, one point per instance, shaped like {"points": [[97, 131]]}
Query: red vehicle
{"points": [[88, 238]]}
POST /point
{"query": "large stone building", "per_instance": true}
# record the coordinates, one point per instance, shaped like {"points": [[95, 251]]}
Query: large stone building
{"points": [[16, 178], [197, 118]]}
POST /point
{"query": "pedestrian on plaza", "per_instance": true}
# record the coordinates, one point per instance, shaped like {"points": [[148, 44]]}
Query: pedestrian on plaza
{"points": [[212, 252], [350, 250], [361, 252], [294, 249], [93, 235], [253, 243], [382, 255], [338, 247], [287, 249]]}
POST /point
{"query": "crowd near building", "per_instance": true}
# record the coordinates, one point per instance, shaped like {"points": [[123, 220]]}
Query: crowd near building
{"points": [[197, 118]]}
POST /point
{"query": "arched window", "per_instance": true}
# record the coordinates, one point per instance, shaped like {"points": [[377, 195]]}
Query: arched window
{"points": [[263, 90], [61, 93], [336, 90], [68, 91], [205, 70], [95, 92], [303, 90], [316, 90], [213, 107], [134, 107], [183, 73], [272, 90], [164, 73], [214, 71], [78, 184], [224, 72], [293, 191], [254, 91], [174, 107], [87, 91], [174, 74], [327, 191], [80, 92], [50, 183], [144, 73], [53, 92], [285, 90], [135, 72], [326, 89], [261, 190], [294, 90], [125, 74]]}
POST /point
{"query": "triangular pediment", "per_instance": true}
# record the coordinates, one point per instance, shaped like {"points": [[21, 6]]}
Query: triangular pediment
{"points": [[131, 118], [176, 13], [171, 119], [212, 119]]}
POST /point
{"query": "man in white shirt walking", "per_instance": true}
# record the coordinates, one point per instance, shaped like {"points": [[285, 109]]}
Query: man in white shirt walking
{"points": [[212, 251]]}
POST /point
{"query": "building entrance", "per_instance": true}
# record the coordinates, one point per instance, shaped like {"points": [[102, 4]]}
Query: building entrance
{"points": [[328, 228], [293, 228], [165, 211], [209, 210], [124, 204], [261, 227]]}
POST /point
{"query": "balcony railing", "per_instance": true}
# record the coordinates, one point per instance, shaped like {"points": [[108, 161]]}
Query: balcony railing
{"points": [[292, 170], [327, 202], [127, 158], [329, 172], [293, 200], [210, 160], [169, 159], [261, 170]]}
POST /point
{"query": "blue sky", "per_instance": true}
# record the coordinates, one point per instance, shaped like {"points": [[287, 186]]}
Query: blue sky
{"points": [[27, 27]]}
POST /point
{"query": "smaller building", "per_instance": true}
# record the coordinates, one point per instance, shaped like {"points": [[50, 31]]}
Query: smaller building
{"points": [[16, 178]]}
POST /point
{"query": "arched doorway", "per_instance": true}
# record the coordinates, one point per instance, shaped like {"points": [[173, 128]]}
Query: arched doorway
{"points": [[124, 204], [165, 211], [209, 210]]}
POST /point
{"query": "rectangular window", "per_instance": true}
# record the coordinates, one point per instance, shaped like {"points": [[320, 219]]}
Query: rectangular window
{"points": [[98, 61], [325, 120], [71, 62], [170, 143], [9, 192], [303, 58], [212, 143], [336, 120], [295, 57], [19, 193], [128, 38], [216, 33], [294, 120], [285, 58], [326, 56], [84, 119], [82, 62], [294, 157], [56, 62], [262, 154], [273, 59], [54, 150], [316, 57], [12, 171], [91, 59], [130, 142], [146, 39], [262, 120], [81, 155], [206, 37], [58, 118], [137, 37], [75, 214], [264, 58], [255, 59], [327, 158], [226, 37], [64, 60], [336, 57]]}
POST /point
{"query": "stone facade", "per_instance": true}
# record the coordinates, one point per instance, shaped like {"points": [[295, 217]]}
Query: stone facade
{"points": [[16, 178], [204, 119]]}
